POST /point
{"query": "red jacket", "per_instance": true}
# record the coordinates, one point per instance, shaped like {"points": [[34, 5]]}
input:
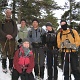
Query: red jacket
{"points": [[18, 67]]}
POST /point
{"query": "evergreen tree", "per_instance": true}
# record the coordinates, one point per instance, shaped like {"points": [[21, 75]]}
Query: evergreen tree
{"points": [[40, 9]]}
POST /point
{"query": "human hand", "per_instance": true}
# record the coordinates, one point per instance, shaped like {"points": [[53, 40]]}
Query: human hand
{"points": [[9, 37]]}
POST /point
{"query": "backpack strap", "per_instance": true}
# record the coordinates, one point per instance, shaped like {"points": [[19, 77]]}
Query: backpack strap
{"points": [[71, 32], [61, 35], [20, 52], [12, 22], [30, 33], [40, 30]]}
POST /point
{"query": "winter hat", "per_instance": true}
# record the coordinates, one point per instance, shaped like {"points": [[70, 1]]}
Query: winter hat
{"points": [[63, 21], [48, 24], [23, 20], [35, 19], [25, 40]]}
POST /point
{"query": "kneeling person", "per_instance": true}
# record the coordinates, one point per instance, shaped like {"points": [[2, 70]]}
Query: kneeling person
{"points": [[23, 62]]}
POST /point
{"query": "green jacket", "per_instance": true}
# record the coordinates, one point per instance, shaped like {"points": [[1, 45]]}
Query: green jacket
{"points": [[22, 33]]}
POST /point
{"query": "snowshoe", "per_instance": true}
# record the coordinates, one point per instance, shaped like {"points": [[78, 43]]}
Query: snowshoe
{"points": [[4, 70], [10, 71], [37, 78]]}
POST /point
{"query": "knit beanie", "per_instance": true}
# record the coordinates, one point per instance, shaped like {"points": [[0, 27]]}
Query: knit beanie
{"points": [[35, 19], [48, 24]]}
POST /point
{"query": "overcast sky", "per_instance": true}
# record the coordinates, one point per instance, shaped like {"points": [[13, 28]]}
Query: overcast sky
{"points": [[58, 13]]}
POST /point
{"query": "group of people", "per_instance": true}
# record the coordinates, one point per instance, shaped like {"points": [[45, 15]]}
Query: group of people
{"points": [[34, 45]]}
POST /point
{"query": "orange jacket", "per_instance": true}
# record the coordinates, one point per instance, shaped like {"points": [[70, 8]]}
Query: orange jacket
{"points": [[69, 36]]}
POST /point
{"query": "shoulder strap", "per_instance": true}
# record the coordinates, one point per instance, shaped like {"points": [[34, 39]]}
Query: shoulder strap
{"points": [[12, 22], [71, 32], [30, 33], [61, 34], [40, 29]]}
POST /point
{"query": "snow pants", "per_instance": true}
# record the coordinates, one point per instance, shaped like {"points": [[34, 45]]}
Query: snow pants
{"points": [[52, 65], [23, 76], [39, 61]]}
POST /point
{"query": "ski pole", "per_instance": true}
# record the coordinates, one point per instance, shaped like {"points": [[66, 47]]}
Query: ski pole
{"points": [[69, 68], [53, 65], [64, 61], [70, 65], [4, 45], [10, 45], [38, 65]]}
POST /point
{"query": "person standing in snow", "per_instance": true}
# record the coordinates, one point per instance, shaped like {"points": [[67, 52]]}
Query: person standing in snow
{"points": [[52, 52], [22, 32], [8, 33], [35, 36], [69, 56]]}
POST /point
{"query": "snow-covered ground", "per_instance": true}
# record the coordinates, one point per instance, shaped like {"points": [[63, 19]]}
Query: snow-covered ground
{"points": [[7, 76]]}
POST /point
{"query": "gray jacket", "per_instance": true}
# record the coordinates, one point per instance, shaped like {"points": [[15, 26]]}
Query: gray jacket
{"points": [[35, 35]]}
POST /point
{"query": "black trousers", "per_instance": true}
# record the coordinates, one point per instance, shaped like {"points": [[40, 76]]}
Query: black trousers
{"points": [[73, 64], [39, 61], [24, 75], [4, 65], [52, 69]]}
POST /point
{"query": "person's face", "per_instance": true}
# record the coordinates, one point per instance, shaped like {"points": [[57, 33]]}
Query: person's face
{"points": [[49, 28], [63, 23], [8, 13], [26, 44], [35, 24], [23, 23]]}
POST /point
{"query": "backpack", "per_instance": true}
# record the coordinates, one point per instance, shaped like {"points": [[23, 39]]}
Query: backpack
{"points": [[71, 32]]}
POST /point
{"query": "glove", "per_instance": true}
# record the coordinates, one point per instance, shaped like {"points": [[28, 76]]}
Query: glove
{"points": [[20, 40]]}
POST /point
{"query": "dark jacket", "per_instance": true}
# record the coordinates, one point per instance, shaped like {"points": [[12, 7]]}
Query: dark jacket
{"points": [[8, 27], [50, 39], [18, 67]]}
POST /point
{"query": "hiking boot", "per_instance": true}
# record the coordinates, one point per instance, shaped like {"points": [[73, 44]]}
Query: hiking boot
{"points": [[4, 66], [4, 63], [4, 70], [10, 63], [41, 79], [10, 70], [37, 78]]}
